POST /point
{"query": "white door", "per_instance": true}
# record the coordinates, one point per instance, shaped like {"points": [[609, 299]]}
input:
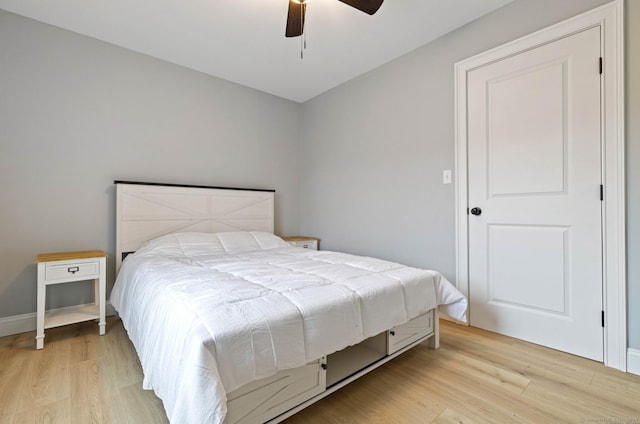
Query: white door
{"points": [[534, 175]]}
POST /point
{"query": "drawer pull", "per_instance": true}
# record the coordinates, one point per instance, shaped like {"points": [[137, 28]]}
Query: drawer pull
{"points": [[73, 269], [305, 246]]}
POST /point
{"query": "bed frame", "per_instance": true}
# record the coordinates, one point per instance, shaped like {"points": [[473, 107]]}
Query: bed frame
{"points": [[148, 210]]}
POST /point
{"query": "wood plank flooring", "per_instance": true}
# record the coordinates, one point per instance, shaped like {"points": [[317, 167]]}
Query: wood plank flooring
{"points": [[79, 377], [475, 377]]}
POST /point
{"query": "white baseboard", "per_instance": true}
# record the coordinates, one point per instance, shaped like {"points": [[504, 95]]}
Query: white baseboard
{"points": [[27, 322], [633, 361]]}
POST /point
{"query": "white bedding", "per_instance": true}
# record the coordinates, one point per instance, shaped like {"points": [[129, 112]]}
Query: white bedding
{"points": [[208, 313]]}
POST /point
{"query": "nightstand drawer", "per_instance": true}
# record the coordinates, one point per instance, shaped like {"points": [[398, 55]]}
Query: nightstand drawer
{"points": [[303, 242], [72, 270], [311, 244]]}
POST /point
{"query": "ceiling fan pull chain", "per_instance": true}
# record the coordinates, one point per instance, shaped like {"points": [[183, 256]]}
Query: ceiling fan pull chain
{"points": [[303, 42]]}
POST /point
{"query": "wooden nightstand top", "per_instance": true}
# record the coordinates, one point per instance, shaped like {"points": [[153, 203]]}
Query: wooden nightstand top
{"points": [[299, 238], [66, 256]]}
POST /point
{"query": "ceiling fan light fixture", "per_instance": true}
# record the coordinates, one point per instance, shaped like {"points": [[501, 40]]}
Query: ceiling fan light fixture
{"points": [[297, 10]]}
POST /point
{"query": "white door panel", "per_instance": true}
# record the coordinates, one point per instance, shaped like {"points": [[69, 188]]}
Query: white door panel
{"points": [[531, 285], [534, 169], [526, 144]]}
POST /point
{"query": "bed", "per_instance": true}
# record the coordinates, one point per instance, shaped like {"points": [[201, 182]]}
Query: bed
{"points": [[234, 325]]}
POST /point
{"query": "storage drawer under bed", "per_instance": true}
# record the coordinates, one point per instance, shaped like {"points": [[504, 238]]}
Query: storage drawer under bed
{"points": [[275, 395], [405, 334]]}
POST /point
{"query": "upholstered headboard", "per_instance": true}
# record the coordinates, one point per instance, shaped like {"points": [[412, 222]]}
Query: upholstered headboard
{"points": [[148, 210]]}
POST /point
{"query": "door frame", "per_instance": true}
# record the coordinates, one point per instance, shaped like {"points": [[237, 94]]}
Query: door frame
{"points": [[609, 18]]}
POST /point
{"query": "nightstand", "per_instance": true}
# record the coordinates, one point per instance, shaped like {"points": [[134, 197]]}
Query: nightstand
{"points": [[67, 267], [304, 242]]}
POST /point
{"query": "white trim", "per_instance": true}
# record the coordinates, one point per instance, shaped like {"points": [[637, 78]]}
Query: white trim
{"points": [[24, 323], [17, 324], [633, 361], [610, 18]]}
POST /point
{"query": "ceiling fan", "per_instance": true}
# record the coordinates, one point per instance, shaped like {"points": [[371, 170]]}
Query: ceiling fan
{"points": [[297, 9]]}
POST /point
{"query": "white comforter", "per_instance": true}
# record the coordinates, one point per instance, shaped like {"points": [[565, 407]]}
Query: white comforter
{"points": [[208, 313]]}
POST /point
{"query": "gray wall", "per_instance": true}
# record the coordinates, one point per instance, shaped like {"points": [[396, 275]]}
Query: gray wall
{"points": [[373, 149], [77, 113]]}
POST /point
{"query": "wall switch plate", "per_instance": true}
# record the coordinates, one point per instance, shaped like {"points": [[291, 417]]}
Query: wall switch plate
{"points": [[446, 176]]}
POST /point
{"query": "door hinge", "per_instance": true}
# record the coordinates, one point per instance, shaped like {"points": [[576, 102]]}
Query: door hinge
{"points": [[600, 65], [601, 193], [602, 319]]}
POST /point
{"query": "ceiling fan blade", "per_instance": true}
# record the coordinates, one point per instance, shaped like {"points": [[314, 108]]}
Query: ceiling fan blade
{"points": [[295, 19], [367, 6]]}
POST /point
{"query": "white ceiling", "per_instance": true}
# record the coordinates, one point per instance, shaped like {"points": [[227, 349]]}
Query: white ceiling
{"points": [[243, 40]]}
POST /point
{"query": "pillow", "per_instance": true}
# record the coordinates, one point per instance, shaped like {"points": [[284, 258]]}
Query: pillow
{"points": [[195, 244]]}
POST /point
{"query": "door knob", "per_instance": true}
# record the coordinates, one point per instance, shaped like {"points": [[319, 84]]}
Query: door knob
{"points": [[476, 211]]}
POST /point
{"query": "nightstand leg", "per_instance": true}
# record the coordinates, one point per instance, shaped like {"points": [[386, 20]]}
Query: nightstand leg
{"points": [[42, 290], [101, 294]]}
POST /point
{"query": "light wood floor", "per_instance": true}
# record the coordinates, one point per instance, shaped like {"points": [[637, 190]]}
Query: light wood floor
{"points": [[475, 377]]}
